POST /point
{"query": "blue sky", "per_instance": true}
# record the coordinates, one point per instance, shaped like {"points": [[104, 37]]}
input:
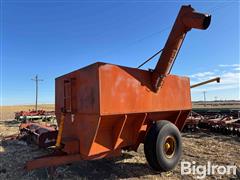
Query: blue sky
{"points": [[51, 38]]}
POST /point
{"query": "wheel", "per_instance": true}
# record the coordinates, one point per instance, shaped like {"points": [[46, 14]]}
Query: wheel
{"points": [[163, 146]]}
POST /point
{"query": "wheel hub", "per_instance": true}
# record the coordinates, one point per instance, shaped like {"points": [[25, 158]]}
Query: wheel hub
{"points": [[169, 146]]}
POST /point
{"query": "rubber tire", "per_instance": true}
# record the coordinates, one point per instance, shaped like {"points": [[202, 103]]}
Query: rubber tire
{"points": [[150, 144], [153, 146]]}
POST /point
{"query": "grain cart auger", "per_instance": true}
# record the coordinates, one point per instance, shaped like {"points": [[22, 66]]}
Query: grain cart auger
{"points": [[107, 108], [217, 79]]}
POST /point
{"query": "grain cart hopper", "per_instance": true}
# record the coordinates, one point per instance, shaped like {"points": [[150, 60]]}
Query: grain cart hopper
{"points": [[104, 108]]}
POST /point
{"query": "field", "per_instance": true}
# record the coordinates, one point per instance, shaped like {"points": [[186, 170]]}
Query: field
{"points": [[7, 112], [217, 104], [200, 147]]}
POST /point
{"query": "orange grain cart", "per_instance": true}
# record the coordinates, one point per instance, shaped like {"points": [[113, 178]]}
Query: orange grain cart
{"points": [[104, 108]]}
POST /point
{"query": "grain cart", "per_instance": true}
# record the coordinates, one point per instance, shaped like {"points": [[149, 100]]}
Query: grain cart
{"points": [[104, 108]]}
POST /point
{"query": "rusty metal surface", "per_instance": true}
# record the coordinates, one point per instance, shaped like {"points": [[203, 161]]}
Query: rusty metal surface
{"points": [[122, 102], [51, 161], [225, 122], [217, 79], [32, 114], [192, 121], [71, 145], [81, 94], [56, 160], [109, 107], [128, 90], [43, 136], [187, 19]]}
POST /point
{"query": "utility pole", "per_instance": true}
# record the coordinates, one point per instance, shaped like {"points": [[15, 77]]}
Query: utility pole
{"points": [[36, 81], [204, 96]]}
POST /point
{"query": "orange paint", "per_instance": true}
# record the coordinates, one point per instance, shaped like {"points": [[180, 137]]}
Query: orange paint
{"points": [[110, 107], [113, 103]]}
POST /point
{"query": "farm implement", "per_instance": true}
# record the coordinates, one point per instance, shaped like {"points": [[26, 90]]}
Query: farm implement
{"points": [[42, 135], [32, 131], [34, 115], [226, 122], [104, 108]]}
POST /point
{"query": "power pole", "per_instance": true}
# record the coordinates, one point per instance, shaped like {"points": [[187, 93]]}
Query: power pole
{"points": [[36, 81], [204, 96]]}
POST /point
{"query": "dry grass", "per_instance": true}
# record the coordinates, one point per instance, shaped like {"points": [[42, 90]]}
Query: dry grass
{"points": [[7, 112], [199, 147]]}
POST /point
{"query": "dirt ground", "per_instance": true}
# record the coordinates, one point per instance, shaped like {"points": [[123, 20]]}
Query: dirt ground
{"points": [[200, 147]]}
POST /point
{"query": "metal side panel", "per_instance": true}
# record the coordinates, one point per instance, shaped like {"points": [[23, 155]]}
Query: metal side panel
{"points": [[128, 90]]}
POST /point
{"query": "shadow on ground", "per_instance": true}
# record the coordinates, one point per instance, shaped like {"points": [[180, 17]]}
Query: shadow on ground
{"points": [[108, 169], [112, 168]]}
